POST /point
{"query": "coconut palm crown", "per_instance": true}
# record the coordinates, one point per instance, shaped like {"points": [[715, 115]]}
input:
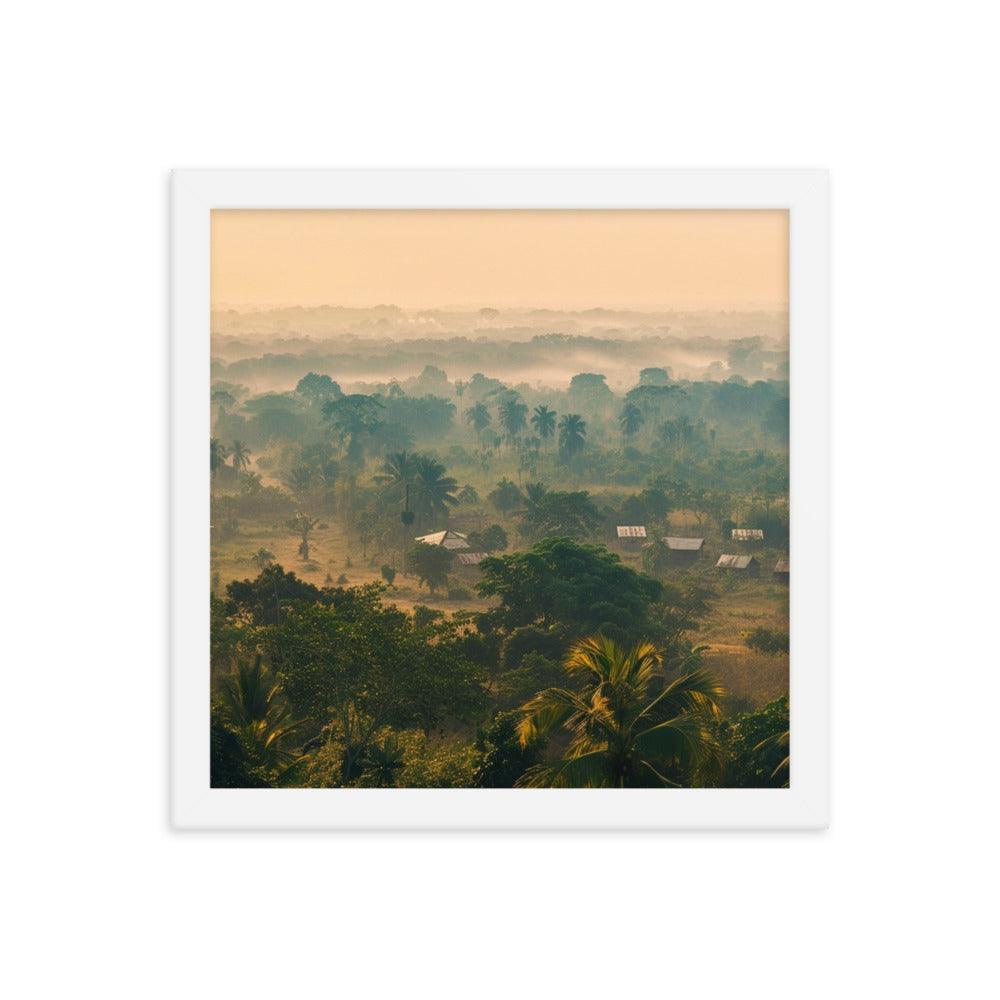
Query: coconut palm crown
{"points": [[629, 724]]}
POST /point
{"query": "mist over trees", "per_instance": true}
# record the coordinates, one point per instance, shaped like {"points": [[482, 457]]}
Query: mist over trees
{"points": [[420, 574]]}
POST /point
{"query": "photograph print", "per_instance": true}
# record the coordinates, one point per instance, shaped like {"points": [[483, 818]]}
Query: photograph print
{"points": [[500, 499]]}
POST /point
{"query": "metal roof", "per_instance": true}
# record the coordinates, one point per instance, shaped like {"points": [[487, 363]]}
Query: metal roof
{"points": [[735, 562], [449, 539], [470, 558], [748, 534], [631, 531], [684, 544], [781, 566]]}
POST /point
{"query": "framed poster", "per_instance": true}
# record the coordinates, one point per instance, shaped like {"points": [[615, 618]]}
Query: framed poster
{"points": [[507, 474]]}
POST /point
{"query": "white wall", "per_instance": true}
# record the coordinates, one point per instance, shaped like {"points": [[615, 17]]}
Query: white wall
{"points": [[101, 99]]}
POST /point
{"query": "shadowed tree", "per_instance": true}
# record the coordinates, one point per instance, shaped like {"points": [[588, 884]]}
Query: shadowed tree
{"points": [[512, 414], [468, 494], [478, 417], [432, 492], [353, 417], [629, 725], [631, 420], [398, 472], [241, 456], [544, 422], [572, 435], [255, 711], [262, 558], [219, 454], [302, 525]]}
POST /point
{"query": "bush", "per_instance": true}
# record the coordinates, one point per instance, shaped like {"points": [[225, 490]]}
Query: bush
{"points": [[766, 640], [388, 573], [459, 593], [342, 579]]}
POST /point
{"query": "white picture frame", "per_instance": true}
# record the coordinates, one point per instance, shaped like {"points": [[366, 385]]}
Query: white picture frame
{"points": [[197, 806]]}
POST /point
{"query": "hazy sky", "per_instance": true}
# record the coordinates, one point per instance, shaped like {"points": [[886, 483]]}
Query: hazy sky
{"points": [[550, 259]]}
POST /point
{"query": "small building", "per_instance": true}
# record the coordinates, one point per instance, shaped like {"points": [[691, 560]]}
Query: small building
{"points": [[631, 536], [684, 549], [448, 539], [469, 561], [748, 535], [781, 571], [740, 563]]}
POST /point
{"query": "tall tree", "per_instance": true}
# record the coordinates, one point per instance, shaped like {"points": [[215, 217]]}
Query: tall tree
{"points": [[512, 414], [478, 417], [219, 454], [631, 420], [302, 525], [433, 492], [241, 456], [572, 435], [629, 726], [544, 421]]}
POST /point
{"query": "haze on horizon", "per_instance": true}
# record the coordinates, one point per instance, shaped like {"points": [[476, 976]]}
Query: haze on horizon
{"points": [[547, 259]]}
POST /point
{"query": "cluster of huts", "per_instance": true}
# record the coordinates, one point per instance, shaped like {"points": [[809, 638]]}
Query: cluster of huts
{"points": [[688, 550], [682, 550]]}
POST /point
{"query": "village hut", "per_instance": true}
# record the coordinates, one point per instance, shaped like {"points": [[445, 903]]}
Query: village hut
{"points": [[467, 563], [739, 564], [684, 550], [781, 571], [447, 539], [631, 536], [748, 536]]}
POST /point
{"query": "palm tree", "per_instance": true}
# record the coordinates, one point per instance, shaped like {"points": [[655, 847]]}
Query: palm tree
{"points": [[572, 432], [219, 454], [622, 732], [468, 494], [544, 422], [398, 472], [779, 740], [631, 420], [241, 456], [512, 414], [433, 492], [258, 714], [479, 417], [533, 493]]}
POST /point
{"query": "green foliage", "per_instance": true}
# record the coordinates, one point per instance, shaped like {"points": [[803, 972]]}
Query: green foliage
{"points": [[506, 497], [572, 587], [431, 564], [630, 723], [570, 515], [437, 763], [755, 747], [491, 539], [317, 389], [266, 597], [503, 759], [572, 435], [766, 640]]}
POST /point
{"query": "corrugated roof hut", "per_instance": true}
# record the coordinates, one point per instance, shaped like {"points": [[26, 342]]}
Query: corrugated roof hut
{"points": [[684, 549], [449, 539], [631, 536], [740, 563], [781, 571], [748, 534]]}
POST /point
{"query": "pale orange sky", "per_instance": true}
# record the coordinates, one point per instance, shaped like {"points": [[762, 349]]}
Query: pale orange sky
{"points": [[650, 259]]}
